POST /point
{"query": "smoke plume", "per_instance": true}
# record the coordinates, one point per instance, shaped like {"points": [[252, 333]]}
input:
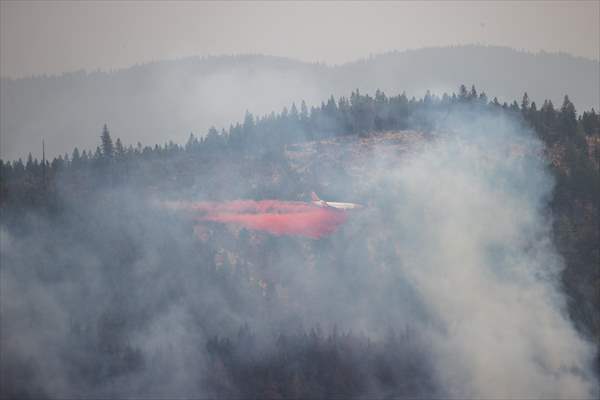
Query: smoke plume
{"points": [[118, 298]]}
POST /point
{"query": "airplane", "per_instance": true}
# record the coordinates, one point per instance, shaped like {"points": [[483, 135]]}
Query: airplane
{"points": [[340, 206]]}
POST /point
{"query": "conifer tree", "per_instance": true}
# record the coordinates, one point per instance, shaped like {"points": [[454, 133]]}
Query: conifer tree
{"points": [[590, 122], [305, 119], [75, 158], [107, 144], [29, 164], [119, 149], [462, 93], [294, 115], [191, 142], [525, 103], [568, 117], [303, 112], [473, 93]]}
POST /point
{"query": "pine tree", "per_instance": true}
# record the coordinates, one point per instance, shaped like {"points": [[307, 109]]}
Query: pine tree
{"points": [[568, 117], [590, 122], [426, 100], [462, 93], [248, 122], [525, 103], [107, 144], [75, 158], [191, 143], [29, 166], [533, 116], [294, 115], [304, 112], [5, 173], [525, 111], [548, 112], [119, 149], [212, 138], [473, 93], [331, 108], [305, 119], [249, 130], [57, 164]]}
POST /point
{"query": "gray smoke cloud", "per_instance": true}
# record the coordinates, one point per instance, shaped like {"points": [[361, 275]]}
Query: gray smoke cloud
{"points": [[455, 245], [474, 241]]}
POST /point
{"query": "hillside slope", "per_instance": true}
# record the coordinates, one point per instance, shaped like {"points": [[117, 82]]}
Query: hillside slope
{"points": [[162, 101]]}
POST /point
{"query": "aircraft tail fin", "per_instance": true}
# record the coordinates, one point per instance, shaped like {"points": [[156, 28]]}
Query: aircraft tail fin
{"points": [[314, 196]]}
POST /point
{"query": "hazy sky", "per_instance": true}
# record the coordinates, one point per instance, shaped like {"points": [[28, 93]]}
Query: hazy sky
{"points": [[54, 37]]}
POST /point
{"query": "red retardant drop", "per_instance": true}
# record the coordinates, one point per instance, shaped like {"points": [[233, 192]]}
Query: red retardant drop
{"points": [[272, 216]]}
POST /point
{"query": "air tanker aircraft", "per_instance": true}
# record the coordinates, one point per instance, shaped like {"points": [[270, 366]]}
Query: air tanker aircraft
{"points": [[340, 206], [313, 219]]}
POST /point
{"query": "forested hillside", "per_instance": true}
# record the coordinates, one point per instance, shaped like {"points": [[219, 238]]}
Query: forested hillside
{"points": [[136, 301], [166, 100]]}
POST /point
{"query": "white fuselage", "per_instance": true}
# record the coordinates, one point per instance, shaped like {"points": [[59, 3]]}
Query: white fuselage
{"points": [[340, 206]]}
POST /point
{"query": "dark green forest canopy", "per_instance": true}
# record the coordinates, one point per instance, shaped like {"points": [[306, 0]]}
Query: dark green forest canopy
{"points": [[357, 115]]}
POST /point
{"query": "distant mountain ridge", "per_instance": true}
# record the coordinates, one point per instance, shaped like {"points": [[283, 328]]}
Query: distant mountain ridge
{"points": [[166, 100]]}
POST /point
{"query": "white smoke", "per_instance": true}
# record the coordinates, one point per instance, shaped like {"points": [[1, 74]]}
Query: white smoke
{"points": [[474, 242], [455, 243]]}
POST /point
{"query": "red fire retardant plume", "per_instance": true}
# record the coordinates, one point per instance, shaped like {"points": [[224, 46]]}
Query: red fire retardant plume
{"points": [[272, 216]]}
